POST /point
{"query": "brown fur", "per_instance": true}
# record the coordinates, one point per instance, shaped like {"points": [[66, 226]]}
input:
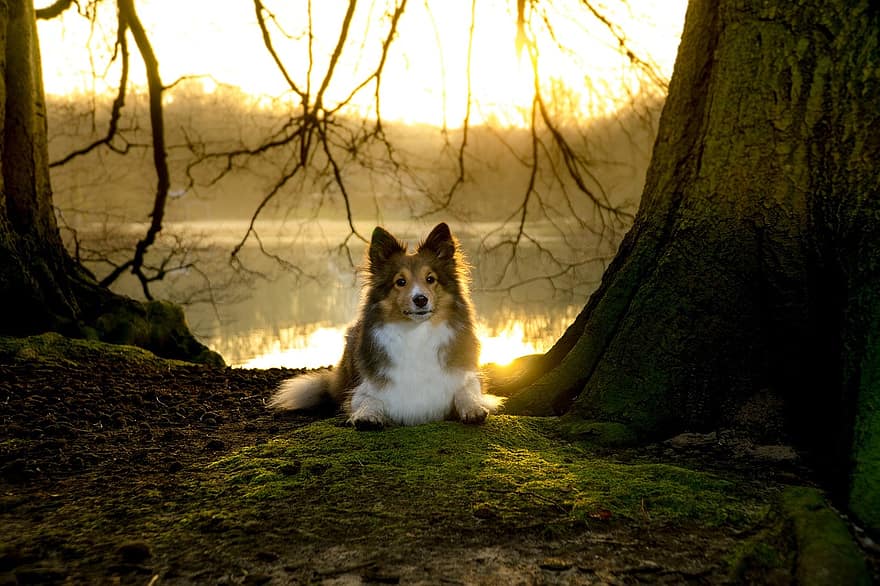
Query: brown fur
{"points": [[439, 255]]}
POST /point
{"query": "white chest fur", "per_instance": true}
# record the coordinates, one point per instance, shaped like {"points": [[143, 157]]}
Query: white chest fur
{"points": [[419, 387]]}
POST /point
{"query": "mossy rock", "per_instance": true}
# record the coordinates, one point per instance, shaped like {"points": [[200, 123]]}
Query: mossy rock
{"points": [[52, 347], [158, 326]]}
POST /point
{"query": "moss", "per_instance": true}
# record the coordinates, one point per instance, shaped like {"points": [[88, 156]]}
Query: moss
{"points": [[864, 497], [326, 484], [127, 342], [803, 539], [600, 433], [513, 470], [158, 326], [827, 553], [55, 348], [767, 558]]}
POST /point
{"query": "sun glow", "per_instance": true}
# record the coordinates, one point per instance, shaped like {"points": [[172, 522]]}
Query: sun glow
{"points": [[503, 346], [291, 349], [323, 346], [425, 77]]}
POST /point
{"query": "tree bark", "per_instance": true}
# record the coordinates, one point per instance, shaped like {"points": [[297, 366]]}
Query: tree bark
{"points": [[30, 245], [748, 290], [41, 286]]}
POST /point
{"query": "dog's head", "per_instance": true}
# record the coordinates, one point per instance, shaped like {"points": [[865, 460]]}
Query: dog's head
{"points": [[417, 286]]}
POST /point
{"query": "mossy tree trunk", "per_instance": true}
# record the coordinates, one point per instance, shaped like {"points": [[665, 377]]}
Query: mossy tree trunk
{"points": [[40, 285], [748, 290], [30, 245]]}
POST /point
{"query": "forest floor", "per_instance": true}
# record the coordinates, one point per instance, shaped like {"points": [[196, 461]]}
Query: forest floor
{"points": [[118, 467]]}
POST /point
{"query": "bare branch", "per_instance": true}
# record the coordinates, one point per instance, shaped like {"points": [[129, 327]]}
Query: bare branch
{"points": [[315, 142], [121, 49], [313, 129], [648, 68], [55, 9], [550, 149], [337, 175], [377, 73], [459, 180], [267, 41], [160, 162], [266, 199], [337, 53], [523, 209]]}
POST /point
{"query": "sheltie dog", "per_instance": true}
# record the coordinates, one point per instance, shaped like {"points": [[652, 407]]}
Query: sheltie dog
{"points": [[412, 355]]}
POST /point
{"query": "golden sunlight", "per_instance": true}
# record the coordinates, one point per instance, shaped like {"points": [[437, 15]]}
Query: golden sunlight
{"points": [[291, 348], [503, 346], [425, 78]]}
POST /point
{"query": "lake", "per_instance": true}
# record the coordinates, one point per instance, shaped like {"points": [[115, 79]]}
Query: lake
{"points": [[295, 315]]}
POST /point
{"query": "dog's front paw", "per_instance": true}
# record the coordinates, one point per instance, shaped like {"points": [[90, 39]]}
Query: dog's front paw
{"points": [[367, 419], [473, 414], [367, 412], [368, 424]]}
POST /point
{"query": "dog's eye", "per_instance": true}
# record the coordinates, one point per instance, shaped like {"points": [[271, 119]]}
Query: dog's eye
{"points": [[401, 282], [430, 279]]}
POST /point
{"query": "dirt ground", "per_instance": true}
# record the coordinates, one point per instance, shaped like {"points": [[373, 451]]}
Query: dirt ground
{"points": [[133, 436]]}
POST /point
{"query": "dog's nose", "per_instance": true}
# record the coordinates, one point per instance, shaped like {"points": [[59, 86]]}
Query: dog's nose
{"points": [[420, 300]]}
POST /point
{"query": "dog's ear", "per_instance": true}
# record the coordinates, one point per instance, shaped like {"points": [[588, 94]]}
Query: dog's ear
{"points": [[382, 247], [440, 242]]}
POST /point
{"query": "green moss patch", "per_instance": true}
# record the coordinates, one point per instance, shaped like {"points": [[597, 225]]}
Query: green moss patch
{"points": [[804, 540], [439, 487], [157, 326], [827, 553], [514, 472], [53, 348], [600, 433]]}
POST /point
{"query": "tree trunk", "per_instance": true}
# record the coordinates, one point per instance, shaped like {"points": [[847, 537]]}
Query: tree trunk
{"points": [[41, 287], [30, 246], [747, 292]]}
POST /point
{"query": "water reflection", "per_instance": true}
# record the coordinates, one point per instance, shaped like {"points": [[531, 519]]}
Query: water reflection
{"points": [[306, 330], [320, 347], [298, 318]]}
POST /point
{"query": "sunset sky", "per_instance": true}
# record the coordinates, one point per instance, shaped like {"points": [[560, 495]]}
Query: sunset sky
{"points": [[425, 77]]}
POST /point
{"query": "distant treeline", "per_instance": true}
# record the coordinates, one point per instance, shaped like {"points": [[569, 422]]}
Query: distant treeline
{"points": [[410, 174]]}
